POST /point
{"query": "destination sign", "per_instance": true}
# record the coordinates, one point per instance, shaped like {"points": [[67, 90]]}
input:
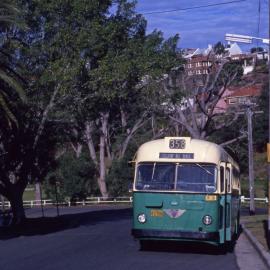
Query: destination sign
{"points": [[177, 155]]}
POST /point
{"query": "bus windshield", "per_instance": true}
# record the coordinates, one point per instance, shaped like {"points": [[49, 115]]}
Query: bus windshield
{"points": [[189, 177]]}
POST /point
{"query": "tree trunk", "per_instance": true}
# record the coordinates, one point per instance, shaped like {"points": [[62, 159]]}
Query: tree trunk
{"points": [[16, 201], [102, 169], [102, 166]]}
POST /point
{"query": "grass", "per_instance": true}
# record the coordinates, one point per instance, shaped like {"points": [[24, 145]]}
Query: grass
{"points": [[29, 193], [260, 175], [256, 225]]}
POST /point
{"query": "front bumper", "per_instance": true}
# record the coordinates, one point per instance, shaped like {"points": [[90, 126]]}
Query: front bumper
{"points": [[159, 234]]}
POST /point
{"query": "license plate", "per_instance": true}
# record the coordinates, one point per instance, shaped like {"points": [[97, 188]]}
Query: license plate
{"points": [[210, 198], [157, 213]]}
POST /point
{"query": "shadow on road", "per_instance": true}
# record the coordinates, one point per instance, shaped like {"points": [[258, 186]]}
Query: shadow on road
{"points": [[189, 247], [47, 225], [186, 247], [266, 233], [259, 211]]}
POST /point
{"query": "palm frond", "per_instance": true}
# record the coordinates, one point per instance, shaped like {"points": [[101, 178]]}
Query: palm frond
{"points": [[7, 112], [13, 84]]}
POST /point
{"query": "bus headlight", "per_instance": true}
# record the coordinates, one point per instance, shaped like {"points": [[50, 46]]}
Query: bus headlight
{"points": [[142, 218], [207, 220]]}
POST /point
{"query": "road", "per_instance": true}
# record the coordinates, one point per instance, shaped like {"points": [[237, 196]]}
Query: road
{"points": [[98, 238]]}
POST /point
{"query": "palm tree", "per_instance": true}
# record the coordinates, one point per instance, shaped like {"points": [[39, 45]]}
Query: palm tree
{"points": [[9, 79]]}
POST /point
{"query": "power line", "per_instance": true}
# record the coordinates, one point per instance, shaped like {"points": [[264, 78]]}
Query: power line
{"points": [[195, 7]]}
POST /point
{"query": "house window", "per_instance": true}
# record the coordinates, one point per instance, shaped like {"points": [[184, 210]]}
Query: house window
{"points": [[232, 100], [242, 100]]}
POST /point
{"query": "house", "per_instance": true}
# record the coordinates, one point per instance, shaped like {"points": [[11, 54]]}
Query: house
{"points": [[222, 105], [233, 49], [244, 95], [198, 65], [237, 96]]}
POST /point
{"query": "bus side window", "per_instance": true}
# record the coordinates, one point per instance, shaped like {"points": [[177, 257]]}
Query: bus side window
{"points": [[221, 179], [228, 180]]}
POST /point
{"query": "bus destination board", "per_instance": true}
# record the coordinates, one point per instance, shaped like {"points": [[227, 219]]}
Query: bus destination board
{"points": [[177, 155]]}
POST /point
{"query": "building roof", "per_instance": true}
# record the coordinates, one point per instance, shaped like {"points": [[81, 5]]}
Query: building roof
{"points": [[251, 91], [233, 49]]}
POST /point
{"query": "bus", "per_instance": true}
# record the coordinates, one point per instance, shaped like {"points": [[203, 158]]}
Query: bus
{"points": [[185, 190]]}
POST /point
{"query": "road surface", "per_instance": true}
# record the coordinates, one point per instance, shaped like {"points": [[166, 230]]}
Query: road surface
{"points": [[98, 238]]}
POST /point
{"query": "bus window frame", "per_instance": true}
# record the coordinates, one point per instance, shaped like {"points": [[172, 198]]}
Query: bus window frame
{"points": [[175, 181], [229, 179], [222, 178]]}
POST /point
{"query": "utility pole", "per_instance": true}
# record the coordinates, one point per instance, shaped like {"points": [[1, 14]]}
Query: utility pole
{"points": [[249, 113], [250, 162]]}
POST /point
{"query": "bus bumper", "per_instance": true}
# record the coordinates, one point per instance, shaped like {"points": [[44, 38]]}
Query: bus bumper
{"points": [[158, 234]]}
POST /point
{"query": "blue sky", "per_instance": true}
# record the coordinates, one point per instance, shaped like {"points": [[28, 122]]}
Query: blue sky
{"points": [[200, 27]]}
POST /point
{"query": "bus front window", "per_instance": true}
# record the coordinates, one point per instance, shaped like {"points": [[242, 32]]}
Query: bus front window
{"points": [[196, 178], [155, 176]]}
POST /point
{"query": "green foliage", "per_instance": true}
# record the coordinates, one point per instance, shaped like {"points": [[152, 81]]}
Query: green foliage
{"points": [[10, 80], [256, 49], [75, 178], [240, 148], [119, 178], [231, 68], [219, 48], [261, 120], [121, 173], [21, 159], [94, 61]]}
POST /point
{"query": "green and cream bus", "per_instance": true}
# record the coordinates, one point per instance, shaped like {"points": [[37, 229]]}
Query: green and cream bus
{"points": [[185, 189]]}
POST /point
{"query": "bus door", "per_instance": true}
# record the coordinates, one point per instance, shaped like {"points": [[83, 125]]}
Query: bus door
{"points": [[225, 202], [228, 199]]}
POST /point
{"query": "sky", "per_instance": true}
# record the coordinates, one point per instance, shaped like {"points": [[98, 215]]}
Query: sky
{"points": [[199, 27]]}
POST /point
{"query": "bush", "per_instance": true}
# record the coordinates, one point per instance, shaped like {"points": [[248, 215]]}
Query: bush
{"points": [[74, 178], [119, 178]]}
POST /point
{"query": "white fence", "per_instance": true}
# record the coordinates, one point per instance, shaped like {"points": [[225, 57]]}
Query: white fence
{"points": [[245, 199], [87, 201], [98, 200]]}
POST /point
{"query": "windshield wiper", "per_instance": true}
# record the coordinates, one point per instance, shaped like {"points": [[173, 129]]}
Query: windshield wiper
{"points": [[204, 168]]}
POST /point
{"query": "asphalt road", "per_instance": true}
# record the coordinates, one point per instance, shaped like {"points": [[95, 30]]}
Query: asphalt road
{"points": [[98, 238]]}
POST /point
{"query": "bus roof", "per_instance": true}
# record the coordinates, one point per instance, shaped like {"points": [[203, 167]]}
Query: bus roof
{"points": [[192, 150]]}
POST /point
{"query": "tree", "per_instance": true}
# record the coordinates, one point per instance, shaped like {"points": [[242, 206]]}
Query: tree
{"points": [[72, 177], [87, 73], [197, 110], [124, 106], [10, 79], [113, 103], [256, 49], [219, 48], [261, 123], [23, 163]]}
